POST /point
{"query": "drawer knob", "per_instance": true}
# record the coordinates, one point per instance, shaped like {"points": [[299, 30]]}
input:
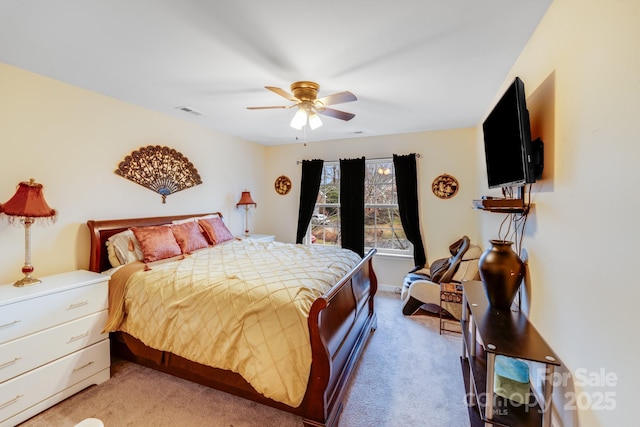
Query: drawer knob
{"points": [[11, 402], [77, 337], [78, 304], [9, 363], [83, 366], [8, 325]]}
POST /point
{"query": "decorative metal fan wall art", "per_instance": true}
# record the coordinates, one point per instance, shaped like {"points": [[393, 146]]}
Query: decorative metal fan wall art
{"points": [[160, 169]]}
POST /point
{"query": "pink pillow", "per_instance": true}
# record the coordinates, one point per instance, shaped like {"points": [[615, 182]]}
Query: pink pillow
{"points": [[215, 230], [157, 242], [189, 236]]}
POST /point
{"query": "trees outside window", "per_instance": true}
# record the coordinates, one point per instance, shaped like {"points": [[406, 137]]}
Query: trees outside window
{"points": [[383, 228]]}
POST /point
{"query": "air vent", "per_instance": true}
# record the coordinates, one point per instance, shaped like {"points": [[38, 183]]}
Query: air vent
{"points": [[190, 111]]}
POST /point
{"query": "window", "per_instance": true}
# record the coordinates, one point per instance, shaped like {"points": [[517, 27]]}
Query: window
{"points": [[383, 228]]}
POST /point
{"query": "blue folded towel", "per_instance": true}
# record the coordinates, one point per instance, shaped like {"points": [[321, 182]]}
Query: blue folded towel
{"points": [[511, 379], [514, 369]]}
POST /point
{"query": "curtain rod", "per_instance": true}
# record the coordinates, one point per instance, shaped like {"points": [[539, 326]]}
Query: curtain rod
{"points": [[299, 162]]}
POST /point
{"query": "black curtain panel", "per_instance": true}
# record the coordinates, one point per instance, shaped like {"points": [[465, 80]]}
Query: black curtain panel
{"points": [[352, 204], [407, 189], [309, 186]]}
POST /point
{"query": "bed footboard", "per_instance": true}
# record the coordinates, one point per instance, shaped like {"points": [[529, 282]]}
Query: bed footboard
{"points": [[340, 323]]}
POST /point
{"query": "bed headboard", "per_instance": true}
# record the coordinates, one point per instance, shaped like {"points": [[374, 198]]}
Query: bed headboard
{"points": [[101, 230]]}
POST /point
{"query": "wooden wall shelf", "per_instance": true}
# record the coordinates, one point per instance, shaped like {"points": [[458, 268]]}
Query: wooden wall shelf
{"points": [[501, 205]]}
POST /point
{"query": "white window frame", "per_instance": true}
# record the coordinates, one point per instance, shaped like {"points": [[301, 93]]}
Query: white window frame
{"points": [[321, 206]]}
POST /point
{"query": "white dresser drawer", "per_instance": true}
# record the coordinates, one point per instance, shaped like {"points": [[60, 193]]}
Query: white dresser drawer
{"points": [[35, 314], [23, 354], [23, 392]]}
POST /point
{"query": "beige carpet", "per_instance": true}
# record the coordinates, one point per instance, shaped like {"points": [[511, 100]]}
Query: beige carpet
{"points": [[409, 375]]}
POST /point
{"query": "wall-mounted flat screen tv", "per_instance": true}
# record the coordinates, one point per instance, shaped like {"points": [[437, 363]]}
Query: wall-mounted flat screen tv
{"points": [[511, 157]]}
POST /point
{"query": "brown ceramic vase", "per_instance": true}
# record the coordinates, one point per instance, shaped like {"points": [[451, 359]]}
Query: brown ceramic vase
{"points": [[501, 272]]}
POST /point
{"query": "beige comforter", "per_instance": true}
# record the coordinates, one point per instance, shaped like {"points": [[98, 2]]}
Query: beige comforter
{"points": [[240, 306]]}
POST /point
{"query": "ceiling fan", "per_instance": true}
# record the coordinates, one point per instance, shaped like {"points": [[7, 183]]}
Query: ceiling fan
{"points": [[309, 105]]}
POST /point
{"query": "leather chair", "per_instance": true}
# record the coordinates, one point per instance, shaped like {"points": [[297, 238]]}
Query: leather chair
{"points": [[419, 288]]}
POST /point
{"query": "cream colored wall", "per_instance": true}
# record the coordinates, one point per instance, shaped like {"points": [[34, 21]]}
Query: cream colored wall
{"points": [[442, 221], [581, 70], [72, 140]]}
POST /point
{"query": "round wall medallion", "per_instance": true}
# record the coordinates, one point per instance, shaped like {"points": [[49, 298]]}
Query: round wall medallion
{"points": [[445, 186], [282, 185]]}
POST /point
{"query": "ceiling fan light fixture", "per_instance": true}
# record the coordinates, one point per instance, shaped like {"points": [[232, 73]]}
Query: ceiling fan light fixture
{"points": [[305, 97], [314, 120], [299, 119]]}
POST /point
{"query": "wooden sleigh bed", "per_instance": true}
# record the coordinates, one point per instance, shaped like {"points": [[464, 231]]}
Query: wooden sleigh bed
{"points": [[340, 322]]}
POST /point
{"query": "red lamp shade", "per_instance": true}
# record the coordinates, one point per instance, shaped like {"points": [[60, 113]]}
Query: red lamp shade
{"points": [[246, 199], [28, 202]]}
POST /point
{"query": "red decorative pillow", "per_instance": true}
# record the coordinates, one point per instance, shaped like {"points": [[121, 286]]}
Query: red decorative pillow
{"points": [[215, 230], [157, 242], [189, 236]]}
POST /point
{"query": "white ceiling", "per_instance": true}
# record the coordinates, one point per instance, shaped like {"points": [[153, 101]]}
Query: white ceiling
{"points": [[415, 65]]}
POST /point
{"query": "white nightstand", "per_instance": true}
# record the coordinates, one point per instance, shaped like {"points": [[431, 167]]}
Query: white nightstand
{"points": [[51, 342], [261, 237]]}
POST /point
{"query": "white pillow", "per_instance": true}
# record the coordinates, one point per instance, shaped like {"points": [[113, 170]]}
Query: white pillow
{"points": [[126, 248], [111, 254], [195, 218]]}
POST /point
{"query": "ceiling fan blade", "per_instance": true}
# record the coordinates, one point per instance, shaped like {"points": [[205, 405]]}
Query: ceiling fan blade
{"points": [[336, 98], [282, 93], [268, 107], [337, 114]]}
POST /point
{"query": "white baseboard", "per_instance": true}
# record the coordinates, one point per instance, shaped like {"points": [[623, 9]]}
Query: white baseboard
{"points": [[389, 288]]}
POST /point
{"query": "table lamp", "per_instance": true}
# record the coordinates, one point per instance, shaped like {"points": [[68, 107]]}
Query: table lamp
{"points": [[28, 204], [246, 201]]}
